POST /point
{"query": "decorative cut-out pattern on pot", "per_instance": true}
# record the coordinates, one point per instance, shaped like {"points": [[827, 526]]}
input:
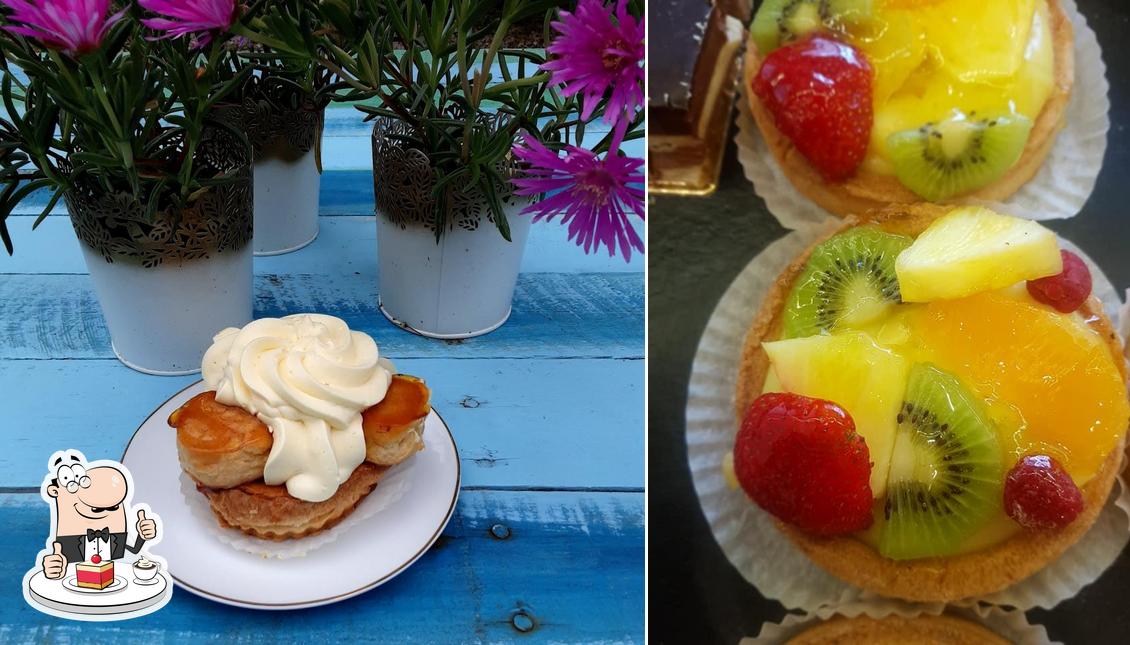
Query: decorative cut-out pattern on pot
{"points": [[404, 180], [281, 120], [119, 227]]}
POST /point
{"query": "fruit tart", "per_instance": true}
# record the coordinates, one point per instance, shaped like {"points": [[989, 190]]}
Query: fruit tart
{"points": [[897, 630], [866, 103], [932, 404], [301, 419]]}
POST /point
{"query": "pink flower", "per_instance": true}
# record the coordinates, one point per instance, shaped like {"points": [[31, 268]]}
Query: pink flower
{"points": [[593, 195], [201, 19], [74, 26], [594, 54]]}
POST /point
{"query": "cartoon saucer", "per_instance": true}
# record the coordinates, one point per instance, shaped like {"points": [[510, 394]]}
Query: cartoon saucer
{"points": [[119, 597], [117, 584]]}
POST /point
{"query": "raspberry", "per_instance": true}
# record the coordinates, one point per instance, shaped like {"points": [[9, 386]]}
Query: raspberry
{"points": [[819, 92], [1039, 494], [801, 460], [1066, 291]]}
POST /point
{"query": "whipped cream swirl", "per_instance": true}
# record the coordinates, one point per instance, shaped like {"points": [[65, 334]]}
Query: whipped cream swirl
{"points": [[308, 378]]}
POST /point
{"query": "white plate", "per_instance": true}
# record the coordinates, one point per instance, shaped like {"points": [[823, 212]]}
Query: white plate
{"points": [[369, 554], [117, 585]]}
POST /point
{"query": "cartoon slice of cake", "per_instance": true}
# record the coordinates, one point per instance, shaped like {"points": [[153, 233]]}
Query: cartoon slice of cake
{"points": [[96, 574]]}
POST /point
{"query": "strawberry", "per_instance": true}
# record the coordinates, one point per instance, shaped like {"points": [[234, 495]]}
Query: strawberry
{"points": [[801, 460], [819, 92]]}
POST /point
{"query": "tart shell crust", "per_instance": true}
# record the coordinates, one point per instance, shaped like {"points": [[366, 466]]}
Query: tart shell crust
{"points": [[895, 630]]}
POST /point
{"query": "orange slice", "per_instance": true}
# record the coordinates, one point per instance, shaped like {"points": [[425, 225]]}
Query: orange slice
{"points": [[1055, 372]]}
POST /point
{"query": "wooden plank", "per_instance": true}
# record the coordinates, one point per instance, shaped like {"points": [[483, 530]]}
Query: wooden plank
{"points": [[350, 242], [554, 315], [574, 562], [542, 423], [345, 243]]}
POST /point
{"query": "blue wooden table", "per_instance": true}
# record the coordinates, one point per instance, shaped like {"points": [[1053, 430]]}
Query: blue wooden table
{"points": [[547, 412]]}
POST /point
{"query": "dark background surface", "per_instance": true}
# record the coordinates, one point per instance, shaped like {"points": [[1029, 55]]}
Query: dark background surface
{"points": [[697, 247]]}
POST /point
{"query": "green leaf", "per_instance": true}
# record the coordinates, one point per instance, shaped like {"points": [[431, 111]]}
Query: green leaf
{"points": [[48, 208]]}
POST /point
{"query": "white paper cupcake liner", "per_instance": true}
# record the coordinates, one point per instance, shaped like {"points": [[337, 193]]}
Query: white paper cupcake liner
{"points": [[1122, 322], [748, 536], [1058, 190], [1011, 625], [390, 489]]}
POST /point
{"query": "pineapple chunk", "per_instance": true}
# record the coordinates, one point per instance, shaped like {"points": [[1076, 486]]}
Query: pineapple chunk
{"points": [[979, 41], [772, 382], [972, 250], [895, 51], [851, 370]]}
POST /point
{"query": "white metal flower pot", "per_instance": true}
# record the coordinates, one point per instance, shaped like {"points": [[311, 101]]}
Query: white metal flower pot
{"points": [[461, 287], [162, 319], [167, 281], [284, 126], [286, 203]]}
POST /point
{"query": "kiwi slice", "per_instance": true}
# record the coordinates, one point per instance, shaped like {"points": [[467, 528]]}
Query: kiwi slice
{"points": [[959, 154], [945, 479], [849, 280], [781, 21]]}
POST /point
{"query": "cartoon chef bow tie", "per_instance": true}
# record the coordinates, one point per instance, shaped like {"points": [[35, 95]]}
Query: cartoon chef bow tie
{"points": [[102, 534]]}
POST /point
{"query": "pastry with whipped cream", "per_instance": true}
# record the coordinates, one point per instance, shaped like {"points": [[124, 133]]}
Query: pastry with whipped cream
{"points": [[301, 419]]}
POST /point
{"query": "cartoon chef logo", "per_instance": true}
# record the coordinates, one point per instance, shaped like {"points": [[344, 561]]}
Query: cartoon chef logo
{"points": [[93, 566]]}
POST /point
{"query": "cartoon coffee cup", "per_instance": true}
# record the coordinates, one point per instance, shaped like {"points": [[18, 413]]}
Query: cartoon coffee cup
{"points": [[145, 569]]}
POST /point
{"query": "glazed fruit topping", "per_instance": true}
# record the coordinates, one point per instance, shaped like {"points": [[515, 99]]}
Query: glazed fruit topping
{"points": [[945, 472], [959, 154], [1054, 385], [849, 281], [801, 460], [819, 93], [1066, 291], [782, 21], [1040, 495], [971, 250], [864, 379]]}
